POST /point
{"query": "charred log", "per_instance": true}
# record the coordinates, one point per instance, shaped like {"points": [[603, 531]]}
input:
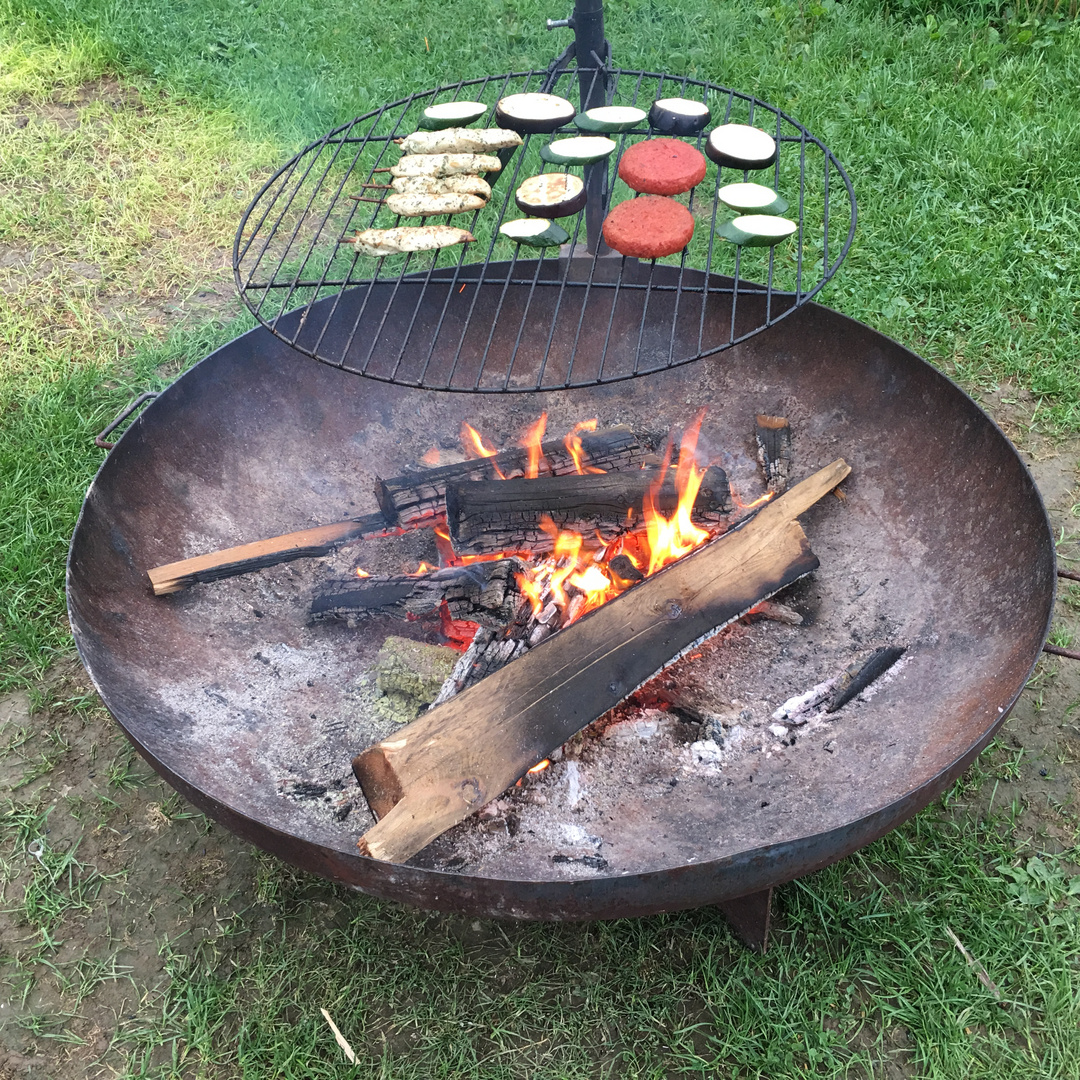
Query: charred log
{"points": [[405, 500], [859, 676], [484, 517], [773, 435], [484, 593], [444, 766]]}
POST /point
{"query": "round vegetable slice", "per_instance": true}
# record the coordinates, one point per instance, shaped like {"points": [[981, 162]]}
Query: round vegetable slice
{"points": [[662, 166], [679, 116], [756, 230], [452, 114], [610, 118], [533, 113], [739, 146], [649, 227], [752, 199], [580, 150], [535, 232], [551, 195]]}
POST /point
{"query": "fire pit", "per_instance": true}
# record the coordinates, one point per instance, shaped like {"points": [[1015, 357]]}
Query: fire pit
{"points": [[940, 545]]}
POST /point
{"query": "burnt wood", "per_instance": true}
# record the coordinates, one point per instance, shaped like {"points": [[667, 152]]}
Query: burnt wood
{"points": [[405, 500], [505, 515], [436, 771], [484, 593], [773, 436], [859, 676], [305, 544]]}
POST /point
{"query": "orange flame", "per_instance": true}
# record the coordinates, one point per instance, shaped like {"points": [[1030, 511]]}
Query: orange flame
{"points": [[476, 447], [540, 766], [532, 440], [432, 457], [362, 573], [572, 442]]}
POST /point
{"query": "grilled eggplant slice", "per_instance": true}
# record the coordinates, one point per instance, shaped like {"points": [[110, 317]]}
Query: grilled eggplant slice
{"points": [[459, 141], [611, 118], [535, 232], [551, 195], [756, 230], [580, 150], [407, 239], [439, 165], [452, 114], [533, 113], [752, 199], [420, 205], [739, 146], [679, 116]]}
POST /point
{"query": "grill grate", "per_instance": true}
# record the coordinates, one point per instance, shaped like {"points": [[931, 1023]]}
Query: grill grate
{"points": [[481, 318]]}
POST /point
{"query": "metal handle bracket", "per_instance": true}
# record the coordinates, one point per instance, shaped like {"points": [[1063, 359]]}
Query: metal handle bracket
{"points": [[99, 439]]}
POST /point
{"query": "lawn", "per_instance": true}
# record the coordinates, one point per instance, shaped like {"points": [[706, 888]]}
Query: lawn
{"points": [[131, 138]]}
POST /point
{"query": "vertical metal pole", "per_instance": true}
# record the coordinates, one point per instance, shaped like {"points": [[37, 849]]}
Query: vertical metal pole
{"points": [[589, 44]]}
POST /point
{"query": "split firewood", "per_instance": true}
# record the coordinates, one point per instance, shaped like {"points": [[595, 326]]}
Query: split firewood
{"points": [[506, 515], [405, 499], [484, 593], [773, 435], [305, 544], [407, 239], [444, 766], [458, 140]]}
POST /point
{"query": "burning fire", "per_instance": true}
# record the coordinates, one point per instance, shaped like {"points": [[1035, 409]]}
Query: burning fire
{"points": [[577, 576]]}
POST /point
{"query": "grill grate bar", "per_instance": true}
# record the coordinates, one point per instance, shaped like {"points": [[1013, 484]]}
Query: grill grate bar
{"points": [[483, 317]]}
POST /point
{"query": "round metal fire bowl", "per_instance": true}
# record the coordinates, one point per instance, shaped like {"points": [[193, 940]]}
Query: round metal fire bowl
{"points": [[941, 521]]}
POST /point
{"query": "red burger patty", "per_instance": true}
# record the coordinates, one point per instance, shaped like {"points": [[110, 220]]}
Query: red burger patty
{"points": [[649, 227], [662, 166]]}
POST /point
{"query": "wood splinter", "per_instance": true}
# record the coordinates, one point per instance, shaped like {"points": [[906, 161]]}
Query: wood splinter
{"points": [[435, 772], [773, 436]]}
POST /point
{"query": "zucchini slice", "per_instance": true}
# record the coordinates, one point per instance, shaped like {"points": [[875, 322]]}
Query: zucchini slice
{"points": [[752, 199], [579, 150], [533, 113], [551, 195], [679, 116], [756, 230], [611, 118], [739, 146], [535, 232], [452, 114]]}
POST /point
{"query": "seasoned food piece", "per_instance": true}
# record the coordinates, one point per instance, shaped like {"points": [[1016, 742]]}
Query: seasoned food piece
{"points": [[756, 230], [445, 164], [649, 227], [752, 199], [418, 205], [535, 232], [459, 141], [452, 114], [662, 166], [530, 113], [551, 195], [678, 116], [408, 238], [739, 146], [441, 185], [580, 150], [610, 118]]}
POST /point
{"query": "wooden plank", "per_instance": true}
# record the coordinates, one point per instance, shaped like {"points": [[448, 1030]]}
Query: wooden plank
{"points": [[444, 766], [305, 544]]}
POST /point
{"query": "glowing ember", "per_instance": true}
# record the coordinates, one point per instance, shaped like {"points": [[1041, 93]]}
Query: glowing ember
{"points": [[539, 767], [362, 573]]}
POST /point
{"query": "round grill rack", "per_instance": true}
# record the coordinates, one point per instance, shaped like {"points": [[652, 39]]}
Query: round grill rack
{"points": [[482, 318]]}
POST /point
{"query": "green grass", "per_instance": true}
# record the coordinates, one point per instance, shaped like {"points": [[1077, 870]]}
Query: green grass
{"points": [[960, 126]]}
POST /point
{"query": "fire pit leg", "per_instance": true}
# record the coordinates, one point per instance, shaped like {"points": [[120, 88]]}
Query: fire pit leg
{"points": [[749, 917]]}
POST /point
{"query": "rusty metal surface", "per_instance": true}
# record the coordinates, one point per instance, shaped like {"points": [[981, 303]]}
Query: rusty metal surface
{"points": [[940, 512]]}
